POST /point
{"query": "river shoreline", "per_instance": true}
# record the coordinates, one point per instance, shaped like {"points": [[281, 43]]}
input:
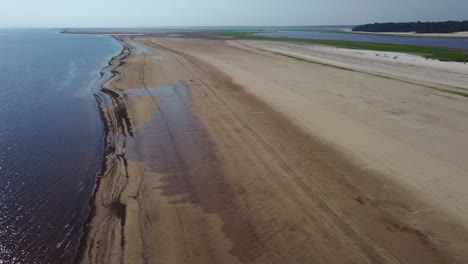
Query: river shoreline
{"points": [[52, 140], [100, 96]]}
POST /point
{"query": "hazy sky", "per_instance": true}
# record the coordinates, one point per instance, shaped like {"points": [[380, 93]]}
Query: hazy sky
{"points": [[132, 13]]}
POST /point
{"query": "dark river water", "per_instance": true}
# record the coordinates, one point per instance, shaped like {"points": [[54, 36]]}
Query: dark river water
{"points": [[51, 140], [455, 43]]}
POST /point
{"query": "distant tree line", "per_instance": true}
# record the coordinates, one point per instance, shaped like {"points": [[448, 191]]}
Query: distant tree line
{"points": [[419, 27]]}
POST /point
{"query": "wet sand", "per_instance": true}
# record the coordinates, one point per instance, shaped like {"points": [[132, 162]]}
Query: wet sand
{"points": [[228, 152]]}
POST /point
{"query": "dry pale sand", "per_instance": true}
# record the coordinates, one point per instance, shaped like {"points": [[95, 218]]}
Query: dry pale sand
{"points": [[231, 152], [407, 67]]}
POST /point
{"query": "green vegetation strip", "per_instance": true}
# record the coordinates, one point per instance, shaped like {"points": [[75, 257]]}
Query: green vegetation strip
{"points": [[427, 52]]}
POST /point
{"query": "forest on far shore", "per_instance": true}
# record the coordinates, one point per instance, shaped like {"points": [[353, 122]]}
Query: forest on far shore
{"points": [[418, 27]]}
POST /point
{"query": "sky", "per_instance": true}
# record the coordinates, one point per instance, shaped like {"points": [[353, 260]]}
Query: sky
{"points": [[138, 13]]}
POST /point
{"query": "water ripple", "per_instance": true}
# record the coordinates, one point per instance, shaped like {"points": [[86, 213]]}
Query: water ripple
{"points": [[50, 142]]}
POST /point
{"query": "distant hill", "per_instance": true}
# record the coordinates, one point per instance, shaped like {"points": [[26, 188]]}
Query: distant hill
{"points": [[418, 27]]}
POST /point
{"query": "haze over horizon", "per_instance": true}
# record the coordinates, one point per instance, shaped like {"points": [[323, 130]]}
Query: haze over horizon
{"points": [[150, 13]]}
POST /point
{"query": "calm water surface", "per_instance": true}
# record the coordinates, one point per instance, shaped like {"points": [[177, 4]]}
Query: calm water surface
{"points": [[51, 140], [455, 43]]}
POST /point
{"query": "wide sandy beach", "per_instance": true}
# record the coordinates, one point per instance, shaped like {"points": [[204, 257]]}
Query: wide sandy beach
{"points": [[231, 151]]}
